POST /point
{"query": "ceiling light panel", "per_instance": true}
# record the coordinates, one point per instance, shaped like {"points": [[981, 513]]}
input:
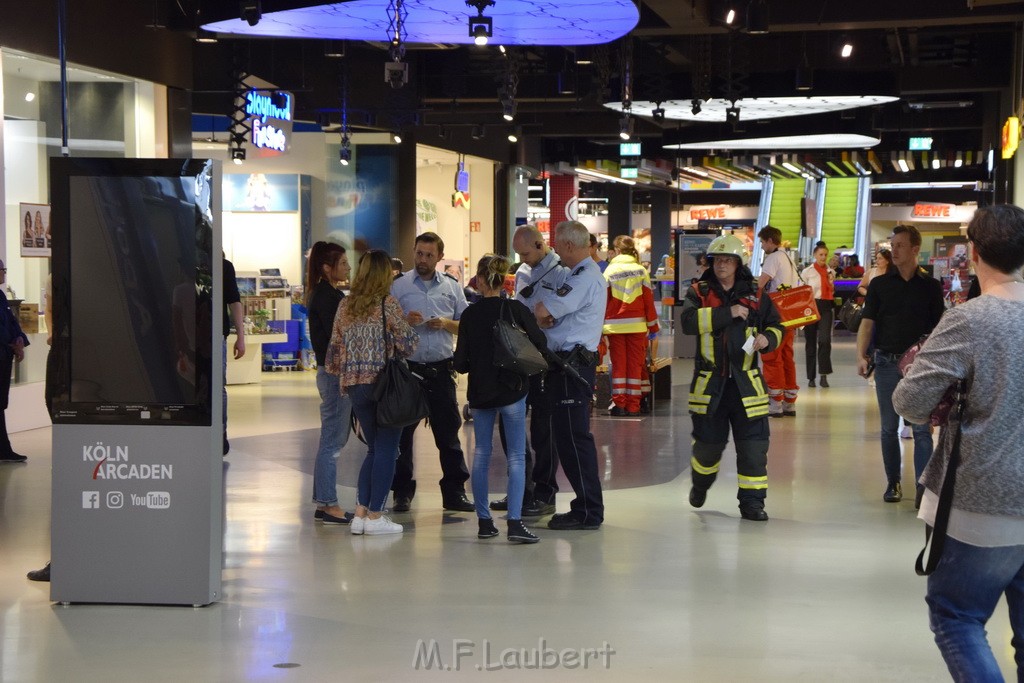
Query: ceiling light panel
{"points": [[821, 141], [516, 22], [755, 108]]}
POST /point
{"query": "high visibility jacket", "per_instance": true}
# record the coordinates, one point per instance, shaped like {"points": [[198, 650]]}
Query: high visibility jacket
{"points": [[720, 355], [630, 299]]}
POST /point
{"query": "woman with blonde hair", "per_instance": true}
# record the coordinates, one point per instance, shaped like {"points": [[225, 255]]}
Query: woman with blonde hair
{"points": [[883, 260], [629, 320], [356, 354], [495, 392], [326, 269]]}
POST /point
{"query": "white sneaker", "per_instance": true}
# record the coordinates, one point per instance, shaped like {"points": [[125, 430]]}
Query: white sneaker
{"points": [[906, 432], [381, 525], [357, 525]]}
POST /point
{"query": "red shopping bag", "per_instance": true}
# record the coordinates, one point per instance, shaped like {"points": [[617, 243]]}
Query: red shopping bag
{"points": [[796, 305]]}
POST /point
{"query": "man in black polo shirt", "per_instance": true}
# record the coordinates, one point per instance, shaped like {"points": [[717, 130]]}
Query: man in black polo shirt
{"points": [[901, 306]]}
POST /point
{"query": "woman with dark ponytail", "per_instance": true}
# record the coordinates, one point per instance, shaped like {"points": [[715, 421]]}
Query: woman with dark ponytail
{"points": [[326, 269], [494, 391]]}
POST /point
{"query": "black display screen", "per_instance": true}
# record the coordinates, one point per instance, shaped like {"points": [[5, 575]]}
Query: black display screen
{"points": [[133, 290]]}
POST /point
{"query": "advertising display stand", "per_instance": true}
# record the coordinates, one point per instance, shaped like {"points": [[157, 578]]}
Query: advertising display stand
{"points": [[135, 376]]}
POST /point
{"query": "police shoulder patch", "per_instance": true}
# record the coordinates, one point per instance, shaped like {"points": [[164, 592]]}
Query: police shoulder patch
{"points": [[563, 290]]}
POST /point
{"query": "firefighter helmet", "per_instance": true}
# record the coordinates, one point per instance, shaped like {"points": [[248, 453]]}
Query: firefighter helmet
{"points": [[729, 245]]}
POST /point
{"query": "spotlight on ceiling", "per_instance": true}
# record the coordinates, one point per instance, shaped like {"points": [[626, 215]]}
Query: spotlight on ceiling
{"points": [[515, 134], [252, 11], [757, 17], [29, 96], [345, 155], [658, 114], [238, 155], [396, 137], [335, 49], [845, 48], [732, 114], [508, 110], [730, 16], [626, 127], [477, 132], [695, 105], [481, 28], [804, 78]]}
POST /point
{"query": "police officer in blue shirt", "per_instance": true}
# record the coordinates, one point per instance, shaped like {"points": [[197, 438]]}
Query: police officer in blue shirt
{"points": [[573, 319], [433, 303], [12, 348], [539, 275]]}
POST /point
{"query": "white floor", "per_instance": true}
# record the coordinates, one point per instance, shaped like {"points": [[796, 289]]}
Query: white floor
{"points": [[824, 591]]}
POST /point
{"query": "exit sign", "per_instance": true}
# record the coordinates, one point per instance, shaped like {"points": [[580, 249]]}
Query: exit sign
{"points": [[920, 144], [629, 149], [628, 172]]}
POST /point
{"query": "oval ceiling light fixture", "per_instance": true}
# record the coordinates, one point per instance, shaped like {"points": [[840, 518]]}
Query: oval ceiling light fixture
{"points": [[515, 22], [822, 141], [753, 108]]}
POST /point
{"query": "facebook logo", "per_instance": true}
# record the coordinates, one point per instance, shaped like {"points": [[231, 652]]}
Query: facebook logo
{"points": [[90, 500]]}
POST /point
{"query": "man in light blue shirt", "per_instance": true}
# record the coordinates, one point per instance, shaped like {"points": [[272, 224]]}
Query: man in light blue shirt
{"points": [[433, 303], [573, 319]]}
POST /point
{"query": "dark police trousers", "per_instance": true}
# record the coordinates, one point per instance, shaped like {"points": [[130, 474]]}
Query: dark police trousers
{"points": [[711, 433], [439, 388], [560, 429]]}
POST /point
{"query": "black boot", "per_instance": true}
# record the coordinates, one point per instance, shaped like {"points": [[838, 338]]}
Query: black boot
{"points": [[698, 496], [486, 528], [518, 533], [893, 492]]}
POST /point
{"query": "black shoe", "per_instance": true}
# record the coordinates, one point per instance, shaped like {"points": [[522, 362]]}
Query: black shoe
{"points": [[617, 412], [457, 503], [755, 513], [645, 405], [227, 446], [776, 414], [894, 492], [499, 505], [538, 509], [319, 514], [570, 521], [40, 574], [698, 496], [810, 383], [518, 533], [402, 504], [12, 457], [918, 496], [328, 518], [486, 528], [789, 413], [824, 382]]}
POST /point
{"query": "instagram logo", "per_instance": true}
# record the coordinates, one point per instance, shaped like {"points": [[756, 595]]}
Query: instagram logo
{"points": [[115, 500], [90, 500]]}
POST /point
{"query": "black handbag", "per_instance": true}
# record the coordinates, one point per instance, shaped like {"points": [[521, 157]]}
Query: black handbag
{"points": [[513, 350], [850, 315], [397, 392]]}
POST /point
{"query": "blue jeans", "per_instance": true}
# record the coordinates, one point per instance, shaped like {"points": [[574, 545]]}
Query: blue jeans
{"points": [[513, 417], [378, 467], [335, 415], [962, 593], [887, 376]]}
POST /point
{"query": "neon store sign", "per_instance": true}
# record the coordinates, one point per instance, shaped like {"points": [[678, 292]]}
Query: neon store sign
{"points": [[270, 114]]}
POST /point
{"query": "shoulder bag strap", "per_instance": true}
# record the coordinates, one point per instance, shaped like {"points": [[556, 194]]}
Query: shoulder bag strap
{"points": [[384, 325], [792, 265], [937, 535]]}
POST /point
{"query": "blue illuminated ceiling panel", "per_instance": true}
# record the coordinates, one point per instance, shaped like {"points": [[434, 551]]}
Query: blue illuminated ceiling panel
{"points": [[516, 22]]}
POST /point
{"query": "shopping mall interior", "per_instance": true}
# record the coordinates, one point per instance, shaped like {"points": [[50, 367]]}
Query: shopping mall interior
{"points": [[368, 122]]}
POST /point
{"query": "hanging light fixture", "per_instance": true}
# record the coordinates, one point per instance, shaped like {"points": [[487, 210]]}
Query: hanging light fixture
{"points": [[626, 127], [845, 47], [757, 17], [481, 28]]}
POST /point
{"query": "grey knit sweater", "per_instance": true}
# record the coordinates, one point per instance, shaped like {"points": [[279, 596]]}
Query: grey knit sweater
{"points": [[980, 341]]}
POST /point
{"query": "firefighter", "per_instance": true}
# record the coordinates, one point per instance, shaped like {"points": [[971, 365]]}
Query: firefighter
{"points": [[732, 324]]}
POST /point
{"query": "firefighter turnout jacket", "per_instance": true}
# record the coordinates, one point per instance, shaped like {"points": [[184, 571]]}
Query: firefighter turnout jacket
{"points": [[720, 339], [630, 299]]}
